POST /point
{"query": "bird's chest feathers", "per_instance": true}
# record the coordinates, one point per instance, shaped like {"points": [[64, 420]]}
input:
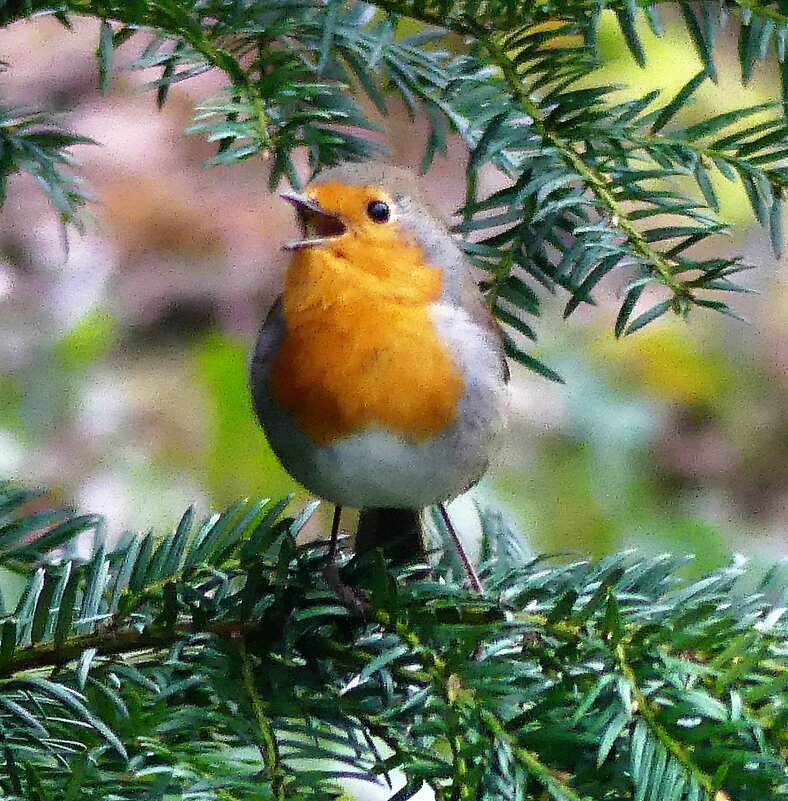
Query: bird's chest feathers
{"points": [[361, 348]]}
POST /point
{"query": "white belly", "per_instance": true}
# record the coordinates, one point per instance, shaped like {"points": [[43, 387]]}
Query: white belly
{"points": [[374, 468]]}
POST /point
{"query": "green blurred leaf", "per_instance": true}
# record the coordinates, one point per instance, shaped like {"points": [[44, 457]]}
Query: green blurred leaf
{"points": [[238, 460], [93, 337]]}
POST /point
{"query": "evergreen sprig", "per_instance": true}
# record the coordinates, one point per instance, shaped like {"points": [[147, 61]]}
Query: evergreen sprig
{"points": [[220, 661], [597, 184], [33, 143]]}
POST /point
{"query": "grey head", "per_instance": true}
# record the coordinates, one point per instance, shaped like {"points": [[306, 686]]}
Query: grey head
{"points": [[399, 183]]}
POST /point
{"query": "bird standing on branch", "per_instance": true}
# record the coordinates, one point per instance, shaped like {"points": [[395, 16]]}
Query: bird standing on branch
{"points": [[379, 375]]}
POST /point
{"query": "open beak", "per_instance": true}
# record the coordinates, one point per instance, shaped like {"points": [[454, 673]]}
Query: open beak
{"points": [[319, 226]]}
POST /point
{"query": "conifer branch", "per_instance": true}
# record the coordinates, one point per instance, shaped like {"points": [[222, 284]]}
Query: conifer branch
{"points": [[269, 750], [580, 205], [645, 709], [762, 11], [50, 655], [594, 180], [477, 697], [458, 696]]}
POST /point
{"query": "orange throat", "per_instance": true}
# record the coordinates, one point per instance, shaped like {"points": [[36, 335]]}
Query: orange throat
{"points": [[361, 348]]}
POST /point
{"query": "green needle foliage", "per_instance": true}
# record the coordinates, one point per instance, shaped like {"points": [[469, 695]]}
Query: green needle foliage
{"points": [[223, 661], [596, 185], [34, 144]]}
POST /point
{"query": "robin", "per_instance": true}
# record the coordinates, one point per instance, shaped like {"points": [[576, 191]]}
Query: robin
{"points": [[379, 374]]}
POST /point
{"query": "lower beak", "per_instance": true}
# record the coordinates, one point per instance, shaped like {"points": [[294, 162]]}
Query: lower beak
{"points": [[319, 226]]}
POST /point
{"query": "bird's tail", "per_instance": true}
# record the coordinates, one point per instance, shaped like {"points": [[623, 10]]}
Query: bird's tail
{"points": [[397, 532]]}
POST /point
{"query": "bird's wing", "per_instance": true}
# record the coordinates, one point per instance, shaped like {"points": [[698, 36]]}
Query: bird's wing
{"points": [[268, 341]]}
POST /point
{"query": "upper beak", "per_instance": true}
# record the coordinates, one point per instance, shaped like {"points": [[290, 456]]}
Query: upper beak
{"points": [[314, 220], [301, 201]]}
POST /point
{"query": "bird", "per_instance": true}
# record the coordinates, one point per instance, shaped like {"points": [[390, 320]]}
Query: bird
{"points": [[379, 375]]}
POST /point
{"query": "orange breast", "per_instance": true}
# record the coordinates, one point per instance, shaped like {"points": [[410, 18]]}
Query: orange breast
{"points": [[361, 348]]}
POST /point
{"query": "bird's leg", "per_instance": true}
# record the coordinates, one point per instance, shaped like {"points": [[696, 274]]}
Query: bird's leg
{"points": [[353, 599], [473, 576], [333, 542]]}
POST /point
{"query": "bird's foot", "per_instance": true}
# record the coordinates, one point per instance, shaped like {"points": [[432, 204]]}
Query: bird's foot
{"points": [[353, 598]]}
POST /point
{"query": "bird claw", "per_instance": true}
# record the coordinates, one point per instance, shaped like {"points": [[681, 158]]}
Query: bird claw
{"points": [[353, 598]]}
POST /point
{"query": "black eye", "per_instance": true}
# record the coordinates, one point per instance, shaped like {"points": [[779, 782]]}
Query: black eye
{"points": [[378, 211]]}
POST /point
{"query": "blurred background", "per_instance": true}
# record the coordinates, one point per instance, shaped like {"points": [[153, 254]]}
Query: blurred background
{"points": [[123, 359]]}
